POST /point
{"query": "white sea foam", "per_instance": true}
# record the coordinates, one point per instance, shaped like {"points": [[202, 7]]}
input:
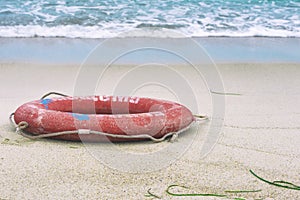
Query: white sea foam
{"points": [[106, 19], [109, 31]]}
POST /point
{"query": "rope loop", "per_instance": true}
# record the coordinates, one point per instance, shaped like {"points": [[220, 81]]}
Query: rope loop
{"points": [[22, 125]]}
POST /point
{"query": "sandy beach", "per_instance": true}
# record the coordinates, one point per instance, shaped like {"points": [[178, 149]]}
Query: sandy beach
{"points": [[234, 64], [260, 133]]}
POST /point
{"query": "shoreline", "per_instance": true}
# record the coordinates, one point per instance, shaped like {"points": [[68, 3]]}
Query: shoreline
{"points": [[220, 49]]}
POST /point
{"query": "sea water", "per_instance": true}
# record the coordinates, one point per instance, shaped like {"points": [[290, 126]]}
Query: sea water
{"points": [[111, 18]]}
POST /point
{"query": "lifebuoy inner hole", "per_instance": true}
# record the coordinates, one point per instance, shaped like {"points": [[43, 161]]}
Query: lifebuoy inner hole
{"points": [[108, 108]]}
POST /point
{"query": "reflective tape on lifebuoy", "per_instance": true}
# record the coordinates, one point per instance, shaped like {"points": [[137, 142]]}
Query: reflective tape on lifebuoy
{"points": [[118, 115]]}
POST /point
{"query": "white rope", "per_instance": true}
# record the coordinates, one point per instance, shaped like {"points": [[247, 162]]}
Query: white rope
{"points": [[201, 118], [23, 125]]}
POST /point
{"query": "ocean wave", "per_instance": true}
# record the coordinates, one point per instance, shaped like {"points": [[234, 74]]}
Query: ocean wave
{"points": [[119, 18], [76, 31]]}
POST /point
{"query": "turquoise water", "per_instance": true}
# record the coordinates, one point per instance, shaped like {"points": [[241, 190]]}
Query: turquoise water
{"points": [[110, 18]]}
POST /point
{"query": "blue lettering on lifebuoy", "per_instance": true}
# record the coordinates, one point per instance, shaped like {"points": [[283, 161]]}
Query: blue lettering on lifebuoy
{"points": [[45, 102], [80, 117]]}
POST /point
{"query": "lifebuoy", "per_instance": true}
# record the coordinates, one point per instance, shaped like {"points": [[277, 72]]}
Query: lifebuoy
{"points": [[118, 115]]}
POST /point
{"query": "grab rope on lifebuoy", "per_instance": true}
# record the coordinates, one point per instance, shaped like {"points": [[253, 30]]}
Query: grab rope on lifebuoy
{"points": [[102, 118]]}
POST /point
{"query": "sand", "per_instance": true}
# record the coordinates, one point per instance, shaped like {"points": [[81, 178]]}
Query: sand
{"points": [[260, 132]]}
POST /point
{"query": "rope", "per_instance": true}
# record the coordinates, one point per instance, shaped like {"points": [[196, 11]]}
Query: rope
{"points": [[54, 93], [19, 127], [201, 118], [23, 125]]}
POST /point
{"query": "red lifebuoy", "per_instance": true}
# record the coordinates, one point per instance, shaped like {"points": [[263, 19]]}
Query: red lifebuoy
{"points": [[109, 114]]}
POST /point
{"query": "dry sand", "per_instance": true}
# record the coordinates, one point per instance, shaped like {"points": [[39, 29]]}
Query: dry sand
{"points": [[260, 132]]}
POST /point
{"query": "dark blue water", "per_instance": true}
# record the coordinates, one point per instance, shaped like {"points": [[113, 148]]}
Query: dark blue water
{"points": [[110, 18]]}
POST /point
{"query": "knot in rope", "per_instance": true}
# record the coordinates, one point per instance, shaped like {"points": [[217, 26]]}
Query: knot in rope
{"points": [[21, 126]]}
